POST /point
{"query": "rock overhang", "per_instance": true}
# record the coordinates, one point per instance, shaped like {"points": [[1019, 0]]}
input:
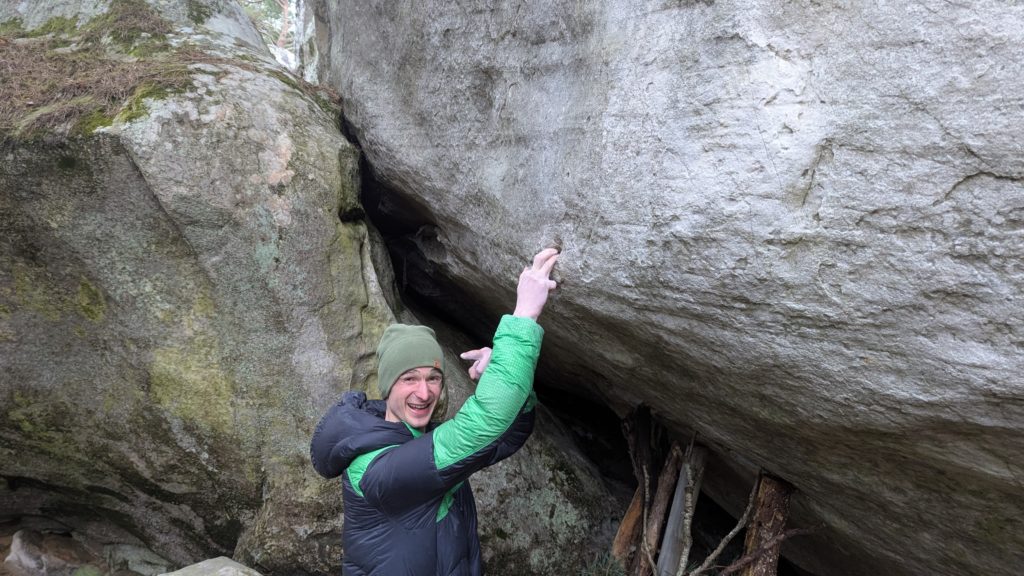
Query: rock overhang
{"points": [[776, 228]]}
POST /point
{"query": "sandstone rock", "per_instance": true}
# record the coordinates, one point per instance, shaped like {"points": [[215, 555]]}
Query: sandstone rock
{"points": [[792, 227]]}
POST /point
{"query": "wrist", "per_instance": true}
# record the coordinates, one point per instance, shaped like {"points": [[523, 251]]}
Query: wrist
{"points": [[524, 314]]}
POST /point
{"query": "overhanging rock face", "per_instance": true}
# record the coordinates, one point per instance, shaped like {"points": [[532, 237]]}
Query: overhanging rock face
{"points": [[797, 228]]}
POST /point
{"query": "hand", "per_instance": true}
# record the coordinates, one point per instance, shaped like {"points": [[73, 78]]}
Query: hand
{"points": [[481, 357], [534, 284]]}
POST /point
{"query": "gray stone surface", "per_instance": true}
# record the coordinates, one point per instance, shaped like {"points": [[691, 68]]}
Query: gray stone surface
{"points": [[796, 227]]}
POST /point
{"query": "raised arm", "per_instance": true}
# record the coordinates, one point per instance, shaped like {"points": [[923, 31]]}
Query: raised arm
{"points": [[506, 384], [482, 430]]}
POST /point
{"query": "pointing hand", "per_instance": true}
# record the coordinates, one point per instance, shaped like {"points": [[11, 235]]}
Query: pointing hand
{"points": [[534, 284], [481, 358]]}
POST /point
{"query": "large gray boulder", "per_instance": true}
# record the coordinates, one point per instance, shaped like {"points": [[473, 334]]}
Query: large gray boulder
{"points": [[178, 297], [794, 227]]}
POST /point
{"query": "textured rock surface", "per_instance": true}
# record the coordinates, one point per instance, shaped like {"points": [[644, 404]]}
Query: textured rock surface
{"points": [[796, 227]]}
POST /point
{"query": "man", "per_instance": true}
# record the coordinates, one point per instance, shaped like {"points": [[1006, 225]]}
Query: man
{"points": [[409, 509]]}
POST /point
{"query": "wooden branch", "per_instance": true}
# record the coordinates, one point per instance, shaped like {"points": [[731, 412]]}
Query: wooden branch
{"points": [[656, 521], [710, 560], [771, 513], [628, 536], [696, 472], [643, 537]]}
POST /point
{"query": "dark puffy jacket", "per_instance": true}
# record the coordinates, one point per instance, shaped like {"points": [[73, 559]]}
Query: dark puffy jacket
{"points": [[409, 509]]}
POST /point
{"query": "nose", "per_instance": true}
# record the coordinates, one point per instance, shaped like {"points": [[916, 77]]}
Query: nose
{"points": [[422, 389]]}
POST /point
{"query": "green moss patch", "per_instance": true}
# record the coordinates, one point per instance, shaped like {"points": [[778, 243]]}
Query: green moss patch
{"points": [[90, 301], [12, 28], [58, 25], [91, 122], [44, 425], [34, 291], [190, 383]]}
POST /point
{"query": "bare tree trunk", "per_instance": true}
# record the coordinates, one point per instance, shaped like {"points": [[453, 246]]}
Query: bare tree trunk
{"points": [[764, 535]]}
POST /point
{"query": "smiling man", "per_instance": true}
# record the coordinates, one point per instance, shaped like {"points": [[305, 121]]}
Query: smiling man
{"points": [[409, 509]]}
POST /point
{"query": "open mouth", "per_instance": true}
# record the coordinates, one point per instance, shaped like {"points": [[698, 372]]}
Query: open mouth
{"points": [[419, 407]]}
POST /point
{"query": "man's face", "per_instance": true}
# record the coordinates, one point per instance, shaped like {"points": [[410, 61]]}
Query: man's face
{"points": [[414, 396]]}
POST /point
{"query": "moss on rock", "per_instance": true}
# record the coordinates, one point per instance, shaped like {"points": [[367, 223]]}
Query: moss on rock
{"points": [[190, 383], [92, 122], [32, 291], [91, 302], [135, 107], [12, 28], [43, 424], [58, 26]]}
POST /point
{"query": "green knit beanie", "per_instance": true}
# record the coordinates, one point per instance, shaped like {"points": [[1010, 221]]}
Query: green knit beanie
{"points": [[403, 347]]}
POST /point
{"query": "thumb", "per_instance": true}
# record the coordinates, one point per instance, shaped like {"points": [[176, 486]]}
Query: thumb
{"points": [[471, 355]]}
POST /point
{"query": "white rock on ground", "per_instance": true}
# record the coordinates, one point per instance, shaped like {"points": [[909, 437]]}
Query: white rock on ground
{"points": [[215, 567]]}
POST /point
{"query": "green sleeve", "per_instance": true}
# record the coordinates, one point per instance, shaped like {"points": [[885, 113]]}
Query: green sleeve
{"points": [[504, 388]]}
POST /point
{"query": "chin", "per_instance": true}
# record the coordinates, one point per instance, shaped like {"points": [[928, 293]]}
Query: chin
{"points": [[419, 421]]}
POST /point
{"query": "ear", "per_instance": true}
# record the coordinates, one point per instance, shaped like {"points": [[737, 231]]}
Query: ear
{"points": [[441, 408]]}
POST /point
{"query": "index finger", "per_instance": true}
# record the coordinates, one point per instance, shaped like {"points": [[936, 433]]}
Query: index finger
{"points": [[542, 258], [548, 265]]}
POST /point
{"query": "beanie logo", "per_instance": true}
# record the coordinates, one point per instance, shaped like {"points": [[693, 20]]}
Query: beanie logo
{"points": [[437, 364]]}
